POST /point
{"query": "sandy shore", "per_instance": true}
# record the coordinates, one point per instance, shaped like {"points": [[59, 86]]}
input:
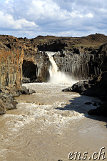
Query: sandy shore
{"points": [[49, 124]]}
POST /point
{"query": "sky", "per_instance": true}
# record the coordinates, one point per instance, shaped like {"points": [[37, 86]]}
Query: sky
{"points": [[30, 18]]}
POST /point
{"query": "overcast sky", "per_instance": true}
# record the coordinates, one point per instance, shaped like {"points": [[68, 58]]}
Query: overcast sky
{"points": [[29, 18]]}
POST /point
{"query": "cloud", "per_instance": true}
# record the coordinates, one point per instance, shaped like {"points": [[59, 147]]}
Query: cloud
{"points": [[7, 21], [75, 17]]}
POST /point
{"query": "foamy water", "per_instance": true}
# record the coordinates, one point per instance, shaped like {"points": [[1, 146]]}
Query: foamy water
{"points": [[49, 124]]}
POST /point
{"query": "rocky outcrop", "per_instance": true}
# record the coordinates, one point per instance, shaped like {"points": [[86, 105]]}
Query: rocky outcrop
{"points": [[10, 75], [96, 87], [18, 57], [35, 63], [43, 66], [81, 63], [35, 66], [6, 102], [11, 67], [11, 60], [7, 95], [79, 87]]}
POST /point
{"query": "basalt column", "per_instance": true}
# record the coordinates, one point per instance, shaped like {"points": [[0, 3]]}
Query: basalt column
{"points": [[11, 68]]}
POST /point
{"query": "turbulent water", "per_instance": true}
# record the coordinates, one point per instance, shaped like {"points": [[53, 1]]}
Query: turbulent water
{"points": [[57, 76], [49, 124]]}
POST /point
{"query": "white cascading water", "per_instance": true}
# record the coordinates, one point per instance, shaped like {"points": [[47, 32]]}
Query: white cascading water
{"points": [[57, 76]]}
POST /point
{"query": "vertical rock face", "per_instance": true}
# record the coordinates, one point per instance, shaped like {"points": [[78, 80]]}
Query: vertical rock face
{"points": [[43, 64], [10, 76], [35, 66], [11, 68], [29, 71], [82, 65]]}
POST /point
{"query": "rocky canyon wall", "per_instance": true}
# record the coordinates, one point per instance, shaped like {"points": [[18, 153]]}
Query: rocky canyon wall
{"points": [[35, 63], [11, 68], [10, 76], [82, 58], [35, 66], [81, 65]]}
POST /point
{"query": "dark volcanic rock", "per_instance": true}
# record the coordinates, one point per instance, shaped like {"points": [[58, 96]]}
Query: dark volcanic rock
{"points": [[69, 89], [95, 88], [54, 46], [6, 102], [25, 80], [2, 107], [35, 66], [100, 111], [26, 91], [83, 63], [81, 87], [7, 95], [29, 71]]}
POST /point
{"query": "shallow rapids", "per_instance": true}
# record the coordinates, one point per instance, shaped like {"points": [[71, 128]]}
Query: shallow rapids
{"points": [[49, 124]]}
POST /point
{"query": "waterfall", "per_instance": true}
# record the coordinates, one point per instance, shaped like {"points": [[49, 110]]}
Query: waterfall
{"points": [[57, 76]]}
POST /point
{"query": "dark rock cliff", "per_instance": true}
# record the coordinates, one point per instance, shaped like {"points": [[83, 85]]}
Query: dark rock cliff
{"points": [[79, 57], [96, 87], [11, 60], [11, 67], [82, 63], [35, 64]]}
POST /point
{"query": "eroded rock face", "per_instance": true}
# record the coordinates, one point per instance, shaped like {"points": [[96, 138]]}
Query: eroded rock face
{"points": [[43, 66], [34, 59], [81, 65], [11, 67], [35, 67], [97, 87], [29, 71], [10, 76]]}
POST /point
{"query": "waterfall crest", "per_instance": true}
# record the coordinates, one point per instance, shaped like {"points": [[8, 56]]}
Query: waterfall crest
{"points": [[57, 76]]}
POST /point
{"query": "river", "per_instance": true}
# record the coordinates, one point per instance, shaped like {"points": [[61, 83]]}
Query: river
{"points": [[49, 124]]}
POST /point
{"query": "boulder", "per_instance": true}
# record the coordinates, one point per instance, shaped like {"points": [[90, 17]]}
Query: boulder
{"points": [[25, 91], [100, 111], [2, 107], [7, 102], [81, 86], [69, 89], [25, 80]]}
